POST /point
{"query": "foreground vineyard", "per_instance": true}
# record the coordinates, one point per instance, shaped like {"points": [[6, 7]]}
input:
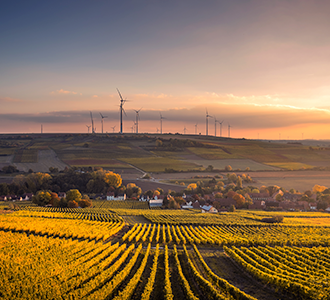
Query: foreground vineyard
{"points": [[93, 254], [303, 272]]}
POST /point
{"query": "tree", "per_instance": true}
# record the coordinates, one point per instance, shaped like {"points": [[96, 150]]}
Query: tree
{"points": [[9, 169], [73, 195], [42, 198], [192, 187], [209, 168], [239, 183], [240, 200], [318, 188], [85, 203], [232, 208], [228, 168], [73, 204]]}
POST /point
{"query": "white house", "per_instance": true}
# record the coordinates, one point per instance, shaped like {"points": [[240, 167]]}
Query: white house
{"points": [[120, 197], [208, 209]]}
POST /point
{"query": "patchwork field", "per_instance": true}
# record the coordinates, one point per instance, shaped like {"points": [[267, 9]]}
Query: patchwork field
{"points": [[45, 160]]}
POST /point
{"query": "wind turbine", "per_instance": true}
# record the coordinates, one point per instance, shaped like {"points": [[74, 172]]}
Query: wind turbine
{"points": [[122, 102], [161, 123], [221, 128], [137, 119], [215, 126], [102, 117], [184, 130], [157, 130], [229, 129], [88, 126], [207, 122], [196, 128], [113, 129], [93, 129]]}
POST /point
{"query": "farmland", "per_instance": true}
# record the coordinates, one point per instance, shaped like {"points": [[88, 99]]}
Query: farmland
{"points": [[122, 250]]}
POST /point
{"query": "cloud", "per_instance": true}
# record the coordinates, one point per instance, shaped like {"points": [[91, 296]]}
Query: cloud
{"points": [[9, 100], [61, 91], [95, 96]]}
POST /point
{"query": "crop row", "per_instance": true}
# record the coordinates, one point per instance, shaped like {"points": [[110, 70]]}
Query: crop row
{"points": [[303, 272], [229, 235]]}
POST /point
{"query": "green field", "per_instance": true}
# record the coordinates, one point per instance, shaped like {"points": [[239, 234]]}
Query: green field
{"points": [[159, 164]]}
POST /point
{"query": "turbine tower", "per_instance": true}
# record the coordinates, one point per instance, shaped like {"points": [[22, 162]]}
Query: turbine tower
{"points": [[221, 128], [229, 129], [207, 122], [196, 128], [161, 123], [88, 126], [215, 126], [102, 117], [93, 129], [137, 119], [122, 102]]}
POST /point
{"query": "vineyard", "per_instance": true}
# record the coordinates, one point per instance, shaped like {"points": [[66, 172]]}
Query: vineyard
{"points": [[94, 253]]}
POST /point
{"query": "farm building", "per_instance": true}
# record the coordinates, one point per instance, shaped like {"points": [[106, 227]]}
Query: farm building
{"points": [[155, 202], [208, 209], [112, 196]]}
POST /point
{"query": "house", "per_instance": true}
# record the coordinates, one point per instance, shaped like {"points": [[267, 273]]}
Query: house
{"points": [[112, 196], [196, 204], [61, 194], [259, 196], [208, 209], [258, 204], [155, 202], [27, 196], [224, 202], [313, 206], [292, 197]]}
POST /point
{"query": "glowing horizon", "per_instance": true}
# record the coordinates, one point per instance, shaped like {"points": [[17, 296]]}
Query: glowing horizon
{"points": [[258, 65]]}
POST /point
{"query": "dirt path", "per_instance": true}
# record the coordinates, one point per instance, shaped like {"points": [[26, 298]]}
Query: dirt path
{"points": [[224, 267]]}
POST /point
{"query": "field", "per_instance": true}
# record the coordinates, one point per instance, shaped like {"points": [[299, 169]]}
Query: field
{"points": [[159, 164], [123, 250]]}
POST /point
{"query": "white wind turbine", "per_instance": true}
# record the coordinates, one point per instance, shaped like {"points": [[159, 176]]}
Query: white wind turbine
{"points": [[102, 117], [161, 123], [207, 122], [137, 119], [122, 102]]}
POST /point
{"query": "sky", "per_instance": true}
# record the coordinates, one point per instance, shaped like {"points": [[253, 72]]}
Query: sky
{"points": [[261, 67]]}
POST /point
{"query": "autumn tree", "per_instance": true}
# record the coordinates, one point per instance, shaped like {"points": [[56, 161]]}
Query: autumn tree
{"points": [[240, 200], [228, 168], [239, 183], [318, 188], [42, 198], [73, 195], [73, 204]]}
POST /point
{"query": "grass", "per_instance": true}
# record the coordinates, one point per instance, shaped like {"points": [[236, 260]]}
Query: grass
{"points": [[89, 162], [210, 153], [290, 165], [158, 164]]}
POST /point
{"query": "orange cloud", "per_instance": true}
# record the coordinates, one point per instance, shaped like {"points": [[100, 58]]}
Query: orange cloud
{"points": [[61, 91], [9, 100]]}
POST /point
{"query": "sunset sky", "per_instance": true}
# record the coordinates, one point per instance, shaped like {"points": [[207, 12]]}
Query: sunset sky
{"points": [[261, 66]]}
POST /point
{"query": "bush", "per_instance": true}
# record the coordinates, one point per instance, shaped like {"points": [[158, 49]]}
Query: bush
{"points": [[275, 219]]}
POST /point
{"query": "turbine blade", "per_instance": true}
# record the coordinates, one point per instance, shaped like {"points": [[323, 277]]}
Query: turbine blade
{"points": [[121, 98]]}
